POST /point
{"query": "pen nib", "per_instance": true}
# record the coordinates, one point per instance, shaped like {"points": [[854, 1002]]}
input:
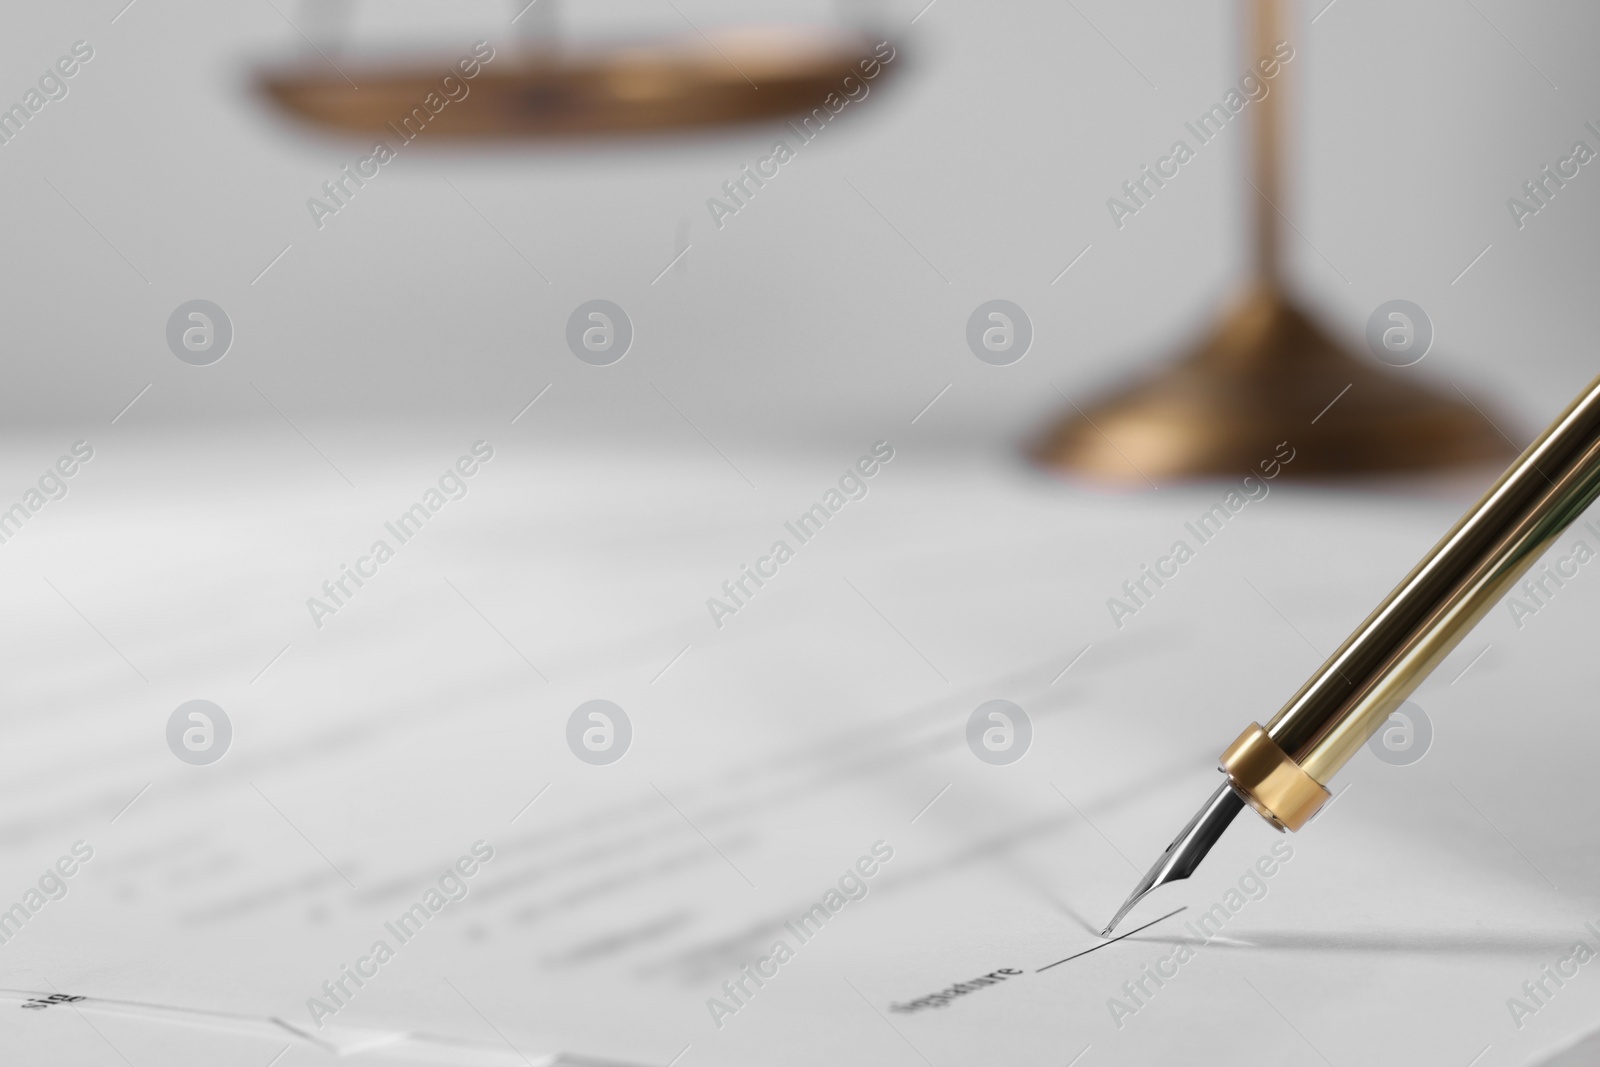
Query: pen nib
{"points": [[1187, 849]]}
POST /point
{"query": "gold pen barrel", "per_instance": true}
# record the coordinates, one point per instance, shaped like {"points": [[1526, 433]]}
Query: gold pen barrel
{"points": [[1283, 770]]}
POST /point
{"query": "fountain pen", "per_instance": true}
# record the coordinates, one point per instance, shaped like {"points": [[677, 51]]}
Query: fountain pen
{"points": [[1282, 770]]}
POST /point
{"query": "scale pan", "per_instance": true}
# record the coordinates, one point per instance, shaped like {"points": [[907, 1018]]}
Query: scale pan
{"points": [[725, 77]]}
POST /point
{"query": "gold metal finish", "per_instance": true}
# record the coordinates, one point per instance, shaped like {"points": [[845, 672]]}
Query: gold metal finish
{"points": [[1271, 782], [1265, 373], [1352, 695], [1266, 158], [729, 76]]}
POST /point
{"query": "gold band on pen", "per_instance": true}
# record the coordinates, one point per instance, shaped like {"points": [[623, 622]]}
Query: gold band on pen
{"points": [[1274, 784]]}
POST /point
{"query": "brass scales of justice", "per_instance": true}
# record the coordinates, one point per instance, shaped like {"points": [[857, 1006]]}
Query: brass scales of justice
{"points": [[1261, 375]]}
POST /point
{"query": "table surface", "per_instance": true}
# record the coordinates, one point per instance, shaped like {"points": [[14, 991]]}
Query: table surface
{"points": [[768, 754]]}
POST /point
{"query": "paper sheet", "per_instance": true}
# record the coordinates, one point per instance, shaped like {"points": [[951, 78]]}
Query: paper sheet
{"points": [[769, 756]]}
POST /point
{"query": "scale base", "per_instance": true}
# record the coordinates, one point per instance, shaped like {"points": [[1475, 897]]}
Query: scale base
{"points": [[1267, 373]]}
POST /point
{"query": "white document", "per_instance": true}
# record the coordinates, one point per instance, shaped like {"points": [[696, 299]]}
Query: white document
{"points": [[818, 733]]}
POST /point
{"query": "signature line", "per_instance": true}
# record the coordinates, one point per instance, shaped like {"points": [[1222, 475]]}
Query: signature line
{"points": [[1113, 941]]}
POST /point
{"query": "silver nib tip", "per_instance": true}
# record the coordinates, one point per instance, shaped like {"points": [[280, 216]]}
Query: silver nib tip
{"points": [[1147, 883], [1187, 849]]}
